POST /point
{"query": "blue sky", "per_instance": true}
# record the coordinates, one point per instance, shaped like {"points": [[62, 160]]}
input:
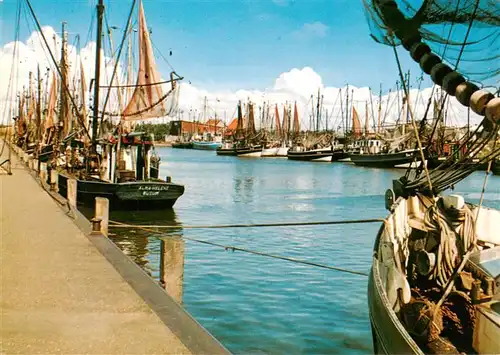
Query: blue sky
{"points": [[241, 44]]}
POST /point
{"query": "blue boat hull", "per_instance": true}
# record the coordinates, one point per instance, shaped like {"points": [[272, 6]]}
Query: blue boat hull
{"points": [[206, 145]]}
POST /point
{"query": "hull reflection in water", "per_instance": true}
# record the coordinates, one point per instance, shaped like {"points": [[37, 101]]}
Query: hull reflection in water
{"points": [[144, 247]]}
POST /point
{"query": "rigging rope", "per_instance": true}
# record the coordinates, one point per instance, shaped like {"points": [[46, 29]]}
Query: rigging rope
{"points": [[116, 224], [407, 93], [117, 60], [249, 251], [65, 86]]}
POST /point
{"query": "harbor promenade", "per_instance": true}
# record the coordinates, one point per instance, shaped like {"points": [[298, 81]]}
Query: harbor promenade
{"points": [[59, 294]]}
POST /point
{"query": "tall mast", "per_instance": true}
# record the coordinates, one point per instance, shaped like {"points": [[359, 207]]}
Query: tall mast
{"points": [[100, 11], [38, 106], [63, 107], [342, 113], [205, 110], [318, 111], [347, 109], [379, 107]]}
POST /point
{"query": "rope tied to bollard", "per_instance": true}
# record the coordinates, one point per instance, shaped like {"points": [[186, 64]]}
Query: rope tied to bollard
{"points": [[115, 224]]}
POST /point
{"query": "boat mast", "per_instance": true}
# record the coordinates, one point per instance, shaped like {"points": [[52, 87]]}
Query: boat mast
{"points": [[379, 107], [318, 111], [347, 109], [100, 11], [63, 107], [38, 107], [342, 113]]}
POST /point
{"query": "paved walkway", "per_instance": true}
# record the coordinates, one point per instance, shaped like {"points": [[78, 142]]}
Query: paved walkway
{"points": [[58, 294]]}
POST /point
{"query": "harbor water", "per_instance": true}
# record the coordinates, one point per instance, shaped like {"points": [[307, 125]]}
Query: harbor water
{"points": [[259, 305]]}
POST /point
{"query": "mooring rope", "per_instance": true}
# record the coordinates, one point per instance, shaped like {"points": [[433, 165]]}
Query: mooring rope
{"points": [[244, 250], [115, 224]]}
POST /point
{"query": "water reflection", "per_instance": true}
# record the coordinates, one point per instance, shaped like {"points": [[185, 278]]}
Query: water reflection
{"points": [[142, 246], [244, 182]]}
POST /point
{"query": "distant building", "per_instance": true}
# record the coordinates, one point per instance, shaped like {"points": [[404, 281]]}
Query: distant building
{"points": [[180, 128]]}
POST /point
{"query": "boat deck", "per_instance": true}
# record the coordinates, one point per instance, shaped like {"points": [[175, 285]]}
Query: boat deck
{"points": [[58, 293]]}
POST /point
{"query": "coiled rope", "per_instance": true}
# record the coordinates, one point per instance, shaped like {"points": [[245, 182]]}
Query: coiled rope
{"points": [[454, 231]]}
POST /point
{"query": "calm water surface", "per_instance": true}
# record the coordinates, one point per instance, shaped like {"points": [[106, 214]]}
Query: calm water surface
{"points": [[254, 304]]}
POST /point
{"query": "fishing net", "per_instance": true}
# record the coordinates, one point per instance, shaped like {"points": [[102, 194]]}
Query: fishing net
{"points": [[464, 33]]}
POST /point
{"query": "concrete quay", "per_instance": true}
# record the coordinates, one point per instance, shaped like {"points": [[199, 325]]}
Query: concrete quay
{"points": [[66, 292]]}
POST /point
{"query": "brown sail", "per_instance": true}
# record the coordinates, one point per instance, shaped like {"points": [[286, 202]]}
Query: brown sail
{"points": [[148, 99], [277, 119], [356, 124], [296, 123]]}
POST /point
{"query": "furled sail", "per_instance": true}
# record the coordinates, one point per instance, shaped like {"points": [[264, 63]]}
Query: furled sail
{"points": [[251, 119], [239, 125], [21, 125], [148, 100], [356, 124], [277, 120], [285, 120], [296, 123], [51, 105]]}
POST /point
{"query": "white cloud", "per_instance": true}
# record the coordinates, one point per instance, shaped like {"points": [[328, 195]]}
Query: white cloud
{"points": [[294, 85], [311, 30]]}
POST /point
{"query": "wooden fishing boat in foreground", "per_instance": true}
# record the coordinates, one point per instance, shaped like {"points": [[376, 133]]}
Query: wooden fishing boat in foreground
{"points": [[132, 195], [434, 285], [404, 313]]}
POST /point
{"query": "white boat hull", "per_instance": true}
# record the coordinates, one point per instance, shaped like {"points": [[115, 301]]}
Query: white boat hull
{"points": [[282, 152], [345, 160], [251, 155], [327, 159], [269, 152], [412, 165]]}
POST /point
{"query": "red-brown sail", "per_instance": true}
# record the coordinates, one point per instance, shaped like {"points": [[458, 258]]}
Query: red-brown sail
{"points": [[148, 99], [296, 123], [285, 119], [356, 124], [277, 120]]}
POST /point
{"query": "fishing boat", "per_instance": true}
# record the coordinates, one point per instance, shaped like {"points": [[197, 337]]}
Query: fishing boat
{"points": [[182, 145], [249, 151], [206, 145], [209, 140], [434, 281], [228, 149], [282, 151], [113, 161], [269, 152], [403, 159], [318, 155], [133, 184]]}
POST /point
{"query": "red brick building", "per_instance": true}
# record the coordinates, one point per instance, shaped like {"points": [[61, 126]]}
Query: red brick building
{"points": [[179, 128]]}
